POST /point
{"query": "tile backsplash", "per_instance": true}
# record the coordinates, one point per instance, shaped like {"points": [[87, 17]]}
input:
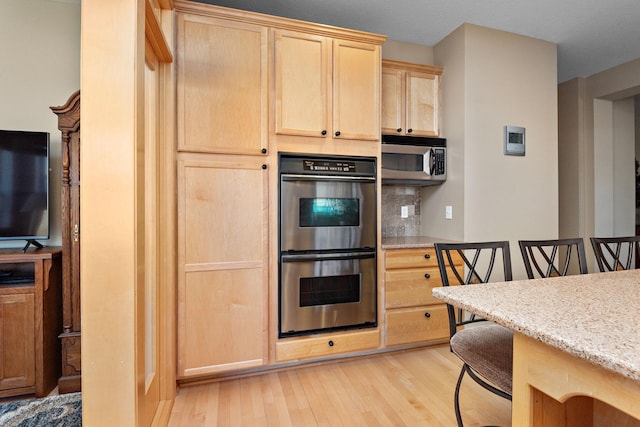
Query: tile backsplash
{"points": [[394, 197]]}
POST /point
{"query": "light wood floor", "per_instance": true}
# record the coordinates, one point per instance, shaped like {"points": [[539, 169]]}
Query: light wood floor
{"points": [[409, 388]]}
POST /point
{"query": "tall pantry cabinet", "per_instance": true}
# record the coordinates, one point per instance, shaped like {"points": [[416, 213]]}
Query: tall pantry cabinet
{"points": [[222, 194], [249, 86]]}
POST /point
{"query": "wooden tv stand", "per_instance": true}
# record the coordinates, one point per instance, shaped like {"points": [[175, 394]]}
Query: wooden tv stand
{"points": [[30, 321]]}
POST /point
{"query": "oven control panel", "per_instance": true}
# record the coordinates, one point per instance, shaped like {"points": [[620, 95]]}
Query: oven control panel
{"points": [[329, 166]]}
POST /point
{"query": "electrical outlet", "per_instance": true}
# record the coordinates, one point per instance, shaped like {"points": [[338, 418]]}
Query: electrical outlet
{"points": [[404, 212], [448, 212]]}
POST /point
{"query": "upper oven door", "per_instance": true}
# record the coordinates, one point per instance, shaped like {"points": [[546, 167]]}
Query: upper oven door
{"points": [[327, 213]]}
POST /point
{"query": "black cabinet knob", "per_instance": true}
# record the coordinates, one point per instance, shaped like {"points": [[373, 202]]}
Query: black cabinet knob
{"points": [[399, 130], [264, 166], [409, 130], [324, 132], [427, 276], [337, 133], [263, 151], [427, 315], [330, 343], [427, 256]]}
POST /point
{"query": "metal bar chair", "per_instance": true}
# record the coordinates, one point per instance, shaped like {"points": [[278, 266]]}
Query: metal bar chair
{"points": [[616, 253], [486, 350], [552, 258]]}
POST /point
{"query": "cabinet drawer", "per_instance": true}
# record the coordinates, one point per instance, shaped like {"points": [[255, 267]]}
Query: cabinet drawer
{"points": [[410, 258], [412, 325], [411, 287], [413, 258], [326, 345]]}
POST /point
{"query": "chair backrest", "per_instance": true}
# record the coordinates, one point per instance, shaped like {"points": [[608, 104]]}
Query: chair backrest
{"points": [[616, 253], [551, 258], [478, 266]]}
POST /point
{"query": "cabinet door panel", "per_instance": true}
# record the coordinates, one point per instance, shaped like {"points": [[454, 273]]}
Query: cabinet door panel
{"points": [[301, 81], [392, 101], [224, 323], [356, 90], [422, 104], [222, 86], [17, 336], [221, 212], [223, 259]]}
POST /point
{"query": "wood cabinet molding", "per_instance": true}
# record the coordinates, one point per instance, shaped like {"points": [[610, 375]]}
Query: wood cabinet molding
{"points": [[408, 66], [278, 22]]}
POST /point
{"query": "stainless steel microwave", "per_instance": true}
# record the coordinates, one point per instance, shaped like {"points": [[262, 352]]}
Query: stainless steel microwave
{"points": [[410, 160]]}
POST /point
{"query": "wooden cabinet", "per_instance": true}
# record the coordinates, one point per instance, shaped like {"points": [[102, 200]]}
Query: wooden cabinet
{"points": [[30, 321], [222, 85], [69, 125], [326, 87], [326, 345], [223, 263], [412, 314], [410, 99]]}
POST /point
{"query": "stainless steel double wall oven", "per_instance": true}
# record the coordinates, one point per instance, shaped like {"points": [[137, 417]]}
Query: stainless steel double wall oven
{"points": [[327, 215]]}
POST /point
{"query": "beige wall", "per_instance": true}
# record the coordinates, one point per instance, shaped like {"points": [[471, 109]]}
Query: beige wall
{"points": [[600, 107], [500, 79], [408, 52], [40, 45]]}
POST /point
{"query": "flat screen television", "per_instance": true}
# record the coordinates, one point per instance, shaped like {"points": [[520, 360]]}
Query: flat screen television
{"points": [[24, 186]]}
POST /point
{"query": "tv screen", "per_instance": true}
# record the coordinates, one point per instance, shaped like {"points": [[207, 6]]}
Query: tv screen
{"points": [[24, 185]]}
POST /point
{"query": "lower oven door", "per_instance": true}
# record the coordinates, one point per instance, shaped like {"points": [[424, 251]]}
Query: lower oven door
{"points": [[327, 291]]}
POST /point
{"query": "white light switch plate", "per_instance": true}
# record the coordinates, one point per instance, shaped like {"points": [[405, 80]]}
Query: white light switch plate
{"points": [[404, 212], [448, 212]]}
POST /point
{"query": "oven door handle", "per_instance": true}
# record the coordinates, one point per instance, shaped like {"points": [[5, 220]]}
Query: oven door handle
{"points": [[327, 178], [327, 257]]}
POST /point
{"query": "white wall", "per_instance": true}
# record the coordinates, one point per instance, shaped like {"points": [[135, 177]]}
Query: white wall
{"points": [[40, 67], [499, 79]]}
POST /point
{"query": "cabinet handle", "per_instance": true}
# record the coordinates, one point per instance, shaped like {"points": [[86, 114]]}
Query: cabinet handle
{"points": [[330, 343], [427, 315], [337, 133], [264, 151], [427, 256], [324, 132], [409, 130], [399, 130], [264, 166], [427, 276]]}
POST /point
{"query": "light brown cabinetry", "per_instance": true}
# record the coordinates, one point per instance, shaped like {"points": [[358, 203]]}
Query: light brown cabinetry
{"points": [[222, 85], [326, 87], [410, 99], [250, 85], [30, 321], [327, 345], [223, 263], [412, 314]]}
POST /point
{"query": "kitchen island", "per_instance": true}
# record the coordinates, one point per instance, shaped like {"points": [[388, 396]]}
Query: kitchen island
{"points": [[576, 345]]}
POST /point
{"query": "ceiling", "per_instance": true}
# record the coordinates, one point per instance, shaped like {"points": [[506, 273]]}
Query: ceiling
{"points": [[592, 35]]}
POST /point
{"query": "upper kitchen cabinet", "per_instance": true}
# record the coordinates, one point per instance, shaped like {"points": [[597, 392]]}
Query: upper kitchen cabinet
{"points": [[222, 85], [326, 87], [410, 99]]}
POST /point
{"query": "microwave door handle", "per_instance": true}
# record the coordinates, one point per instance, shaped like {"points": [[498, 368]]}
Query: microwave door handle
{"points": [[428, 162]]}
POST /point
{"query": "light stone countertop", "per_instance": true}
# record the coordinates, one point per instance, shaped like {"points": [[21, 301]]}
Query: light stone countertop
{"points": [[595, 317], [410, 242]]}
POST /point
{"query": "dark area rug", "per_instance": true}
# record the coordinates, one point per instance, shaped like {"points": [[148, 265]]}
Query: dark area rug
{"points": [[64, 410]]}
